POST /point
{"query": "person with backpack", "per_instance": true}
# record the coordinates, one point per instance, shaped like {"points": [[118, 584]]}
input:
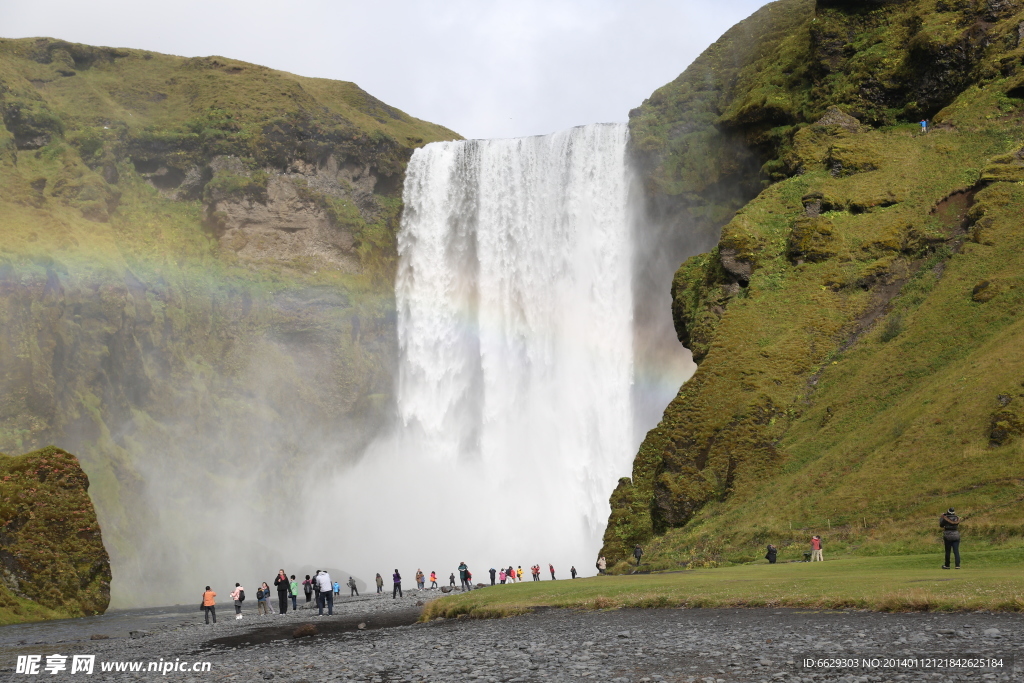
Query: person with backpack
{"points": [[380, 583], [463, 571], [326, 593], [816, 549], [352, 590], [397, 591], [281, 583], [238, 595], [209, 605], [307, 588], [772, 553], [293, 591], [950, 523]]}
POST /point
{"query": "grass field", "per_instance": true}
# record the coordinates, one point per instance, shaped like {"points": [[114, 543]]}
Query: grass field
{"points": [[992, 580]]}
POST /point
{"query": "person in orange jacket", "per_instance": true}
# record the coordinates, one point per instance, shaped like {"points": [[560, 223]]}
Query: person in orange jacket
{"points": [[433, 579], [209, 605]]}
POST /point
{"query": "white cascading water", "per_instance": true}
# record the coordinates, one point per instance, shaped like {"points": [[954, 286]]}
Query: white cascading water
{"points": [[515, 329]]}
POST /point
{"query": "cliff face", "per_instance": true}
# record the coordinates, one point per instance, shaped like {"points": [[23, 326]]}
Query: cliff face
{"points": [[196, 285], [51, 553], [857, 325]]}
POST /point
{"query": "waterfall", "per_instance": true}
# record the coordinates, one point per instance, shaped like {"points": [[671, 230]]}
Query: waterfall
{"points": [[515, 333]]}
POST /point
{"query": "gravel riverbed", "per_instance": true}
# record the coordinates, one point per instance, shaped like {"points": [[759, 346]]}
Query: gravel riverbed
{"points": [[553, 645]]}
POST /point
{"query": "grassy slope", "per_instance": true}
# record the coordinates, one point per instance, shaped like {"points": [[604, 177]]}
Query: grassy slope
{"points": [[991, 580], [852, 387]]}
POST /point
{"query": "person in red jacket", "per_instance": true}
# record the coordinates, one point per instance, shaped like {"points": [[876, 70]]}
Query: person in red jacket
{"points": [[551, 568], [816, 549]]}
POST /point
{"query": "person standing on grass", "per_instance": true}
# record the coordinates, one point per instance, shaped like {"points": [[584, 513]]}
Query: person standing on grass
{"points": [[771, 554], [209, 605], [950, 524], [352, 590], [326, 593], [397, 591], [551, 568], [307, 588], [293, 591], [492, 571], [281, 583], [638, 552], [433, 580], [463, 576], [238, 596], [924, 126], [602, 564], [572, 570], [519, 573], [380, 583], [816, 549], [501, 577]]}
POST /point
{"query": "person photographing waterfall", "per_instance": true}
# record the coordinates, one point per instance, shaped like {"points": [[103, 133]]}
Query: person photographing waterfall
{"points": [[326, 594], [950, 523]]}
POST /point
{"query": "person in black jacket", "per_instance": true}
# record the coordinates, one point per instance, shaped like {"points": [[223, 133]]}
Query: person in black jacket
{"points": [[282, 583], [950, 524], [772, 553]]}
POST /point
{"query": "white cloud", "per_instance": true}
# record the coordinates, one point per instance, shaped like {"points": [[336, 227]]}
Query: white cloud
{"points": [[484, 69]]}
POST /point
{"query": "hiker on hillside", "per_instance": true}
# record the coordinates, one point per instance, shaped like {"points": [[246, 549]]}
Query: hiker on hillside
{"points": [[307, 588], [238, 595], [380, 583], [602, 564], [281, 583], [352, 590], [510, 573], [433, 580], [772, 553], [501, 577], [293, 591], [535, 572], [950, 524], [492, 571], [397, 590], [572, 570], [551, 568], [519, 573], [326, 593], [209, 605], [463, 571], [816, 549]]}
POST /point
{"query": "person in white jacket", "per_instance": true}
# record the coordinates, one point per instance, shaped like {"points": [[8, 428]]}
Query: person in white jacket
{"points": [[326, 593]]}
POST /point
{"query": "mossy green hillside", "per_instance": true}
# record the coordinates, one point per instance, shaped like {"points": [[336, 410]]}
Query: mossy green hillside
{"points": [[54, 563], [163, 313], [857, 327]]}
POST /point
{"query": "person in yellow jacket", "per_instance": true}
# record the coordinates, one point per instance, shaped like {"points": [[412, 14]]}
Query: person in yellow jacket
{"points": [[519, 573]]}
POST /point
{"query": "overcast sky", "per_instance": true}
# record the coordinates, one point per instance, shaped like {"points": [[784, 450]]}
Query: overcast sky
{"points": [[484, 69]]}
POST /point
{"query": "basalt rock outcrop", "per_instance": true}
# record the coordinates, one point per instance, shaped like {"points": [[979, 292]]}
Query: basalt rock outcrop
{"points": [[51, 550]]}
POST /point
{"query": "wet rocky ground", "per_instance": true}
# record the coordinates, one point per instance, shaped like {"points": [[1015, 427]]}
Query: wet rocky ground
{"points": [[562, 645]]}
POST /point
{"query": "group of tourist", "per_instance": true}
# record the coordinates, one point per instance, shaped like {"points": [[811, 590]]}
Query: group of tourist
{"points": [[321, 589]]}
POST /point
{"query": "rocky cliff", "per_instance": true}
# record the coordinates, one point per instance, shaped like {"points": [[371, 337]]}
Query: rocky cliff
{"points": [[196, 268], [52, 560], [857, 325]]}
